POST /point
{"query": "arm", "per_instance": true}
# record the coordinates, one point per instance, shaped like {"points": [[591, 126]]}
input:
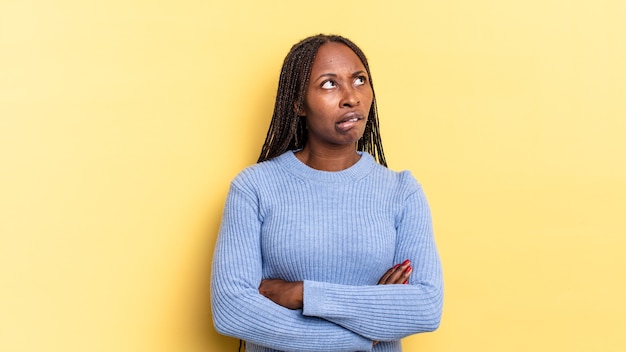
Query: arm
{"points": [[387, 312], [239, 309], [290, 294], [390, 312]]}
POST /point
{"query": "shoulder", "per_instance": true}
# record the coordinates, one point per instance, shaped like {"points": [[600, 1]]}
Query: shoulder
{"points": [[401, 181], [259, 173]]}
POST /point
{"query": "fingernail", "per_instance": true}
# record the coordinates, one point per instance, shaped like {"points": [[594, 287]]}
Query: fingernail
{"points": [[406, 282], [408, 269], [406, 262], [396, 266]]}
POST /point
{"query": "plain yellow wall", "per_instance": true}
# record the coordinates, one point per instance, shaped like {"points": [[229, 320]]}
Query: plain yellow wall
{"points": [[122, 123]]}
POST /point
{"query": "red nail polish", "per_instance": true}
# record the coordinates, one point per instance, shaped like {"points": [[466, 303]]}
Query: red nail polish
{"points": [[406, 282], [408, 269], [406, 262], [396, 266]]}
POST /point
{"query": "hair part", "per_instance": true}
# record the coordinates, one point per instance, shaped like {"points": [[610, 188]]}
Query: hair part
{"points": [[287, 130]]}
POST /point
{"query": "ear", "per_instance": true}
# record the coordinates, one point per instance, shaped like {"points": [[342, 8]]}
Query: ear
{"points": [[298, 110]]}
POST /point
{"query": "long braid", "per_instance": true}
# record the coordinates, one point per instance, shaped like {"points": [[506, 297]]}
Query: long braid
{"points": [[287, 130]]}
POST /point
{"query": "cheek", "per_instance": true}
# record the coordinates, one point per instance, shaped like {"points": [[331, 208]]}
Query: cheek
{"points": [[317, 106], [309, 104], [369, 96]]}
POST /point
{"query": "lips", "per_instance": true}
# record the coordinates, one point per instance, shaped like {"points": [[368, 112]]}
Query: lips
{"points": [[348, 120]]}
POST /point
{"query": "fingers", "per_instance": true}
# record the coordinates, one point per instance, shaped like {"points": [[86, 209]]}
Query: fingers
{"points": [[399, 274], [383, 280]]}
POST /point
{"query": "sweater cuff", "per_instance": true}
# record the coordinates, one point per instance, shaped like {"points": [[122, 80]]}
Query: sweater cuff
{"points": [[313, 300], [314, 304]]}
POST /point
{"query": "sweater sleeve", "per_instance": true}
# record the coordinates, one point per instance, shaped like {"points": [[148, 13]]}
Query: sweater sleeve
{"points": [[390, 312], [239, 310]]}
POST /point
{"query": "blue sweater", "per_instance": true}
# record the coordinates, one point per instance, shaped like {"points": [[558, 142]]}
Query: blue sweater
{"points": [[338, 232]]}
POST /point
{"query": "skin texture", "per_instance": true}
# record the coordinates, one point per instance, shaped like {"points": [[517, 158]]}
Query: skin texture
{"points": [[339, 90]]}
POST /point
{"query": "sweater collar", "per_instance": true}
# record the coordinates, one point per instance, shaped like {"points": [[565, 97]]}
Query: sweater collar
{"points": [[360, 169]]}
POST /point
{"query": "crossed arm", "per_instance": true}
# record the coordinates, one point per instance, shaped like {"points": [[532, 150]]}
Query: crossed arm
{"points": [[319, 316], [290, 294]]}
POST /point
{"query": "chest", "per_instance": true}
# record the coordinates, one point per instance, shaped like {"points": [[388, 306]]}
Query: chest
{"points": [[339, 234]]}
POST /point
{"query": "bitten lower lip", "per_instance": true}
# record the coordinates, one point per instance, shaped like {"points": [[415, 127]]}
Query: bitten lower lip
{"points": [[348, 121], [350, 116]]}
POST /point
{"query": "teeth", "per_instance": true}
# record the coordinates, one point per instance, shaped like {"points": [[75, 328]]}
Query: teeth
{"points": [[355, 119]]}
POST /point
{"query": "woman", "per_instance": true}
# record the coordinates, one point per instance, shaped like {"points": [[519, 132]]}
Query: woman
{"points": [[321, 247]]}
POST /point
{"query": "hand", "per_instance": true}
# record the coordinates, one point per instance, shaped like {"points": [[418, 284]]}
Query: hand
{"points": [[285, 293], [399, 274]]}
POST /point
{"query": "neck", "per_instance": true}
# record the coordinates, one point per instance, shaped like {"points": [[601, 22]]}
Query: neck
{"points": [[329, 160]]}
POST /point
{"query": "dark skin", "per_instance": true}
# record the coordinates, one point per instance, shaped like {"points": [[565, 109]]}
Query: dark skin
{"points": [[336, 106]]}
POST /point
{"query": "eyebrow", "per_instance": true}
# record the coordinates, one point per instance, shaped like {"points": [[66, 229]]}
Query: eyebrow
{"points": [[329, 74]]}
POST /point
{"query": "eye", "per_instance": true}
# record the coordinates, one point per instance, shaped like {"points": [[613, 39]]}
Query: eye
{"points": [[360, 80], [328, 84]]}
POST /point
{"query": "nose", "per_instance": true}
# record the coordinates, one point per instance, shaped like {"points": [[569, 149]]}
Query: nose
{"points": [[350, 98]]}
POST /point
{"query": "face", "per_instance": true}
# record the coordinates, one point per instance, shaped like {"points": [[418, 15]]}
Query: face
{"points": [[338, 97]]}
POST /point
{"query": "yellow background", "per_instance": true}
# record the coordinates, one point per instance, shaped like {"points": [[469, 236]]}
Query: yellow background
{"points": [[122, 123]]}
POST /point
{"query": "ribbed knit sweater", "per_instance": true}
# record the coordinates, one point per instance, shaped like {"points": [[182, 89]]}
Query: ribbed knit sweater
{"points": [[338, 232]]}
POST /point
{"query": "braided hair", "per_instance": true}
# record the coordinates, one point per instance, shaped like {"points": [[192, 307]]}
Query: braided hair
{"points": [[287, 131]]}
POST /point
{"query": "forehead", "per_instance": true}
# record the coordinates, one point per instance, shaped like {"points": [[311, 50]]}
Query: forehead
{"points": [[334, 56]]}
